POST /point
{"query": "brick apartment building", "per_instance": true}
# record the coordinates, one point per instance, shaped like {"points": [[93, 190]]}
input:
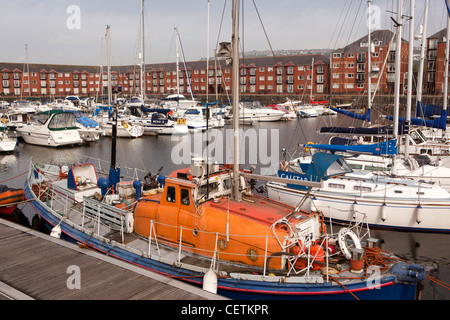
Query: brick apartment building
{"points": [[291, 75], [344, 73], [435, 66], [349, 65]]}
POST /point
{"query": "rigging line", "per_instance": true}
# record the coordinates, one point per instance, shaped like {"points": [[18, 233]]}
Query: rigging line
{"points": [[354, 21], [337, 24], [342, 26], [185, 67], [221, 23], [264, 29]]}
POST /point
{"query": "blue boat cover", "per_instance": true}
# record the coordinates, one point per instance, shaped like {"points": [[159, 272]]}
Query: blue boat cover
{"points": [[365, 117], [377, 131], [423, 111], [87, 122], [322, 167], [382, 148], [159, 110], [439, 123]]}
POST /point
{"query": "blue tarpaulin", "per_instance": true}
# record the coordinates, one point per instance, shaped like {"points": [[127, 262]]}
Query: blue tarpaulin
{"points": [[383, 148], [365, 117]]}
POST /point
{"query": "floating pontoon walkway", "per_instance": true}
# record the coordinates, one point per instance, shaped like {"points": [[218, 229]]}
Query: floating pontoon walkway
{"points": [[36, 266]]}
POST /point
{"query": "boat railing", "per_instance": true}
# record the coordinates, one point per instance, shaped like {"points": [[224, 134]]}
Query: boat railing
{"points": [[111, 216], [217, 255]]}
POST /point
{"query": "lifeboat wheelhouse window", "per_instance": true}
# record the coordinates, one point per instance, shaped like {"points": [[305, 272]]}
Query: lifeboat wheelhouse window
{"points": [[171, 194], [185, 199]]}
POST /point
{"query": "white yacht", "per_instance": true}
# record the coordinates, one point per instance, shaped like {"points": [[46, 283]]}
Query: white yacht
{"points": [[253, 110], [54, 128], [7, 144]]}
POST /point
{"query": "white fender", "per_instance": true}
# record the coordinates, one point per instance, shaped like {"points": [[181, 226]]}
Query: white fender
{"points": [[419, 214], [210, 281], [355, 209], [343, 242], [383, 212], [56, 232]]}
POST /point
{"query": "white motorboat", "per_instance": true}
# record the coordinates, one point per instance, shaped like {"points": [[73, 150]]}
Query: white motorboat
{"points": [[54, 128], [158, 122], [125, 129], [253, 110], [174, 101], [307, 111], [89, 129], [7, 144]]}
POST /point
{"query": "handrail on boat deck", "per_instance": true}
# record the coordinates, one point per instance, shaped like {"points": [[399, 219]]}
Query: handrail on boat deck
{"points": [[181, 246]]}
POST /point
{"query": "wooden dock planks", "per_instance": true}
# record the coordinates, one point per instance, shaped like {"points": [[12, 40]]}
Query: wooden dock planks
{"points": [[36, 265]]}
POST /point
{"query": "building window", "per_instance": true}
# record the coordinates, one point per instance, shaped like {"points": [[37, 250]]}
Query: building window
{"points": [[319, 69]]}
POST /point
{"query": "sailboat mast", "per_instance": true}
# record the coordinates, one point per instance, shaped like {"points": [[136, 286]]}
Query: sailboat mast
{"points": [[398, 54], [114, 112], [236, 194], [369, 56], [142, 54], [178, 65], [447, 53], [207, 58], [422, 53], [410, 74]]}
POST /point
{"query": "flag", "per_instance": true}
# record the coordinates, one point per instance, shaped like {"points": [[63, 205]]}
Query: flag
{"points": [[448, 7]]}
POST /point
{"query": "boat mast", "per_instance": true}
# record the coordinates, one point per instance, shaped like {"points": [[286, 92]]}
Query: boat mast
{"points": [[26, 70], [142, 54], [422, 54], [369, 56], [114, 113], [178, 67], [236, 194], [447, 53], [398, 54], [410, 75]]}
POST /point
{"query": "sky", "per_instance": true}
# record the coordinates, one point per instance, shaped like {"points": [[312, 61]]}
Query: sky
{"points": [[72, 31]]}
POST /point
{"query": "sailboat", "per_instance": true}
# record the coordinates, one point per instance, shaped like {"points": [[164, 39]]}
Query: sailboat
{"points": [[203, 225], [385, 201]]}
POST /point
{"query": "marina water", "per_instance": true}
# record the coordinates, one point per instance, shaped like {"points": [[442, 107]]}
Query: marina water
{"points": [[266, 139]]}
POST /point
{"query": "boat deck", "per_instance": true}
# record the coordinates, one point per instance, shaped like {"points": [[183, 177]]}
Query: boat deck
{"points": [[35, 266]]}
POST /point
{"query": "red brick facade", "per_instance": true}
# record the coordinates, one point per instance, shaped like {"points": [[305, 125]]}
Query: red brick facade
{"points": [[435, 63], [349, 65]]}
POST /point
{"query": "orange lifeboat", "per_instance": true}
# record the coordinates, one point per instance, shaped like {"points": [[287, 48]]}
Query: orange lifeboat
{"points": [[9, 198], [239, 231]]}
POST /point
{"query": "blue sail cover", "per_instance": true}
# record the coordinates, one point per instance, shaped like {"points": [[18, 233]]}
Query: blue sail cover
{"points": [[322, 167], [375, 131], [439, 123], [423, 111], [383, 148], [365, 117]]}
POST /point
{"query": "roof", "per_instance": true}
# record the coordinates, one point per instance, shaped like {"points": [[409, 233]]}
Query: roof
{"points": [[254, 62], [384, 36], [439, 35], [52, 68]]}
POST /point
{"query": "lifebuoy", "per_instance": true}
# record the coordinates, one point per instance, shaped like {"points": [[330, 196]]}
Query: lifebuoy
{"points": [[125, 125], [343, 233]]}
